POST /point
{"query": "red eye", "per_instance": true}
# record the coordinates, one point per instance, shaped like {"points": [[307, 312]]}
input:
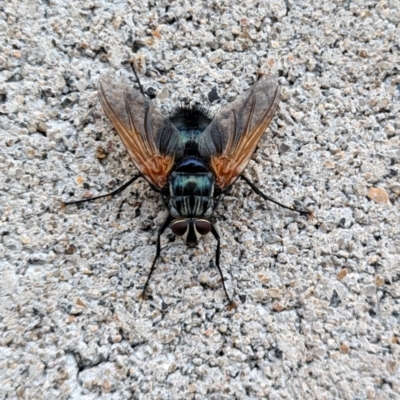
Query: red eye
{"points": [[179, 228], [203, 226]]}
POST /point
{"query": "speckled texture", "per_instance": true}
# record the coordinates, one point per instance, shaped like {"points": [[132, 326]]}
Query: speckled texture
{"points": [[318, 313]]}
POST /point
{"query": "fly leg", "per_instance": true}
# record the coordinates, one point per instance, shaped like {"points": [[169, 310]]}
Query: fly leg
{"points": [[113, 193], [161, 230], [137, 78], [232, 305], [265, 197]]}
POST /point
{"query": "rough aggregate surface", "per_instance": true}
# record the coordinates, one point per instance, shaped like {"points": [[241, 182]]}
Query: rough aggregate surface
{"points": [[319, 298]]}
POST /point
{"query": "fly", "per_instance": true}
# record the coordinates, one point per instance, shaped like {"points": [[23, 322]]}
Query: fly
{"points": [[188, 158]]}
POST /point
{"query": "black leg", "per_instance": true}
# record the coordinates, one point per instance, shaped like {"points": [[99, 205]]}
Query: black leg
{"points": [[215, 233], [137, 78], [113, 193], [265, 197], [161, 230]]}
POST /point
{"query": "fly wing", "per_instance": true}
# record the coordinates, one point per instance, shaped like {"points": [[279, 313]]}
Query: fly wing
{"points": [[150, 138], [232, 136]]}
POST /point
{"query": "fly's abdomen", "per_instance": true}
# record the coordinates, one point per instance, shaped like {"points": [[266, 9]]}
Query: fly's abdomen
{"points": [[191, 194]]}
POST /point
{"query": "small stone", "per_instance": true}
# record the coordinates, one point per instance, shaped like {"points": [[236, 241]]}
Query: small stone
{"points": [[197, 361], [264, 279], [236, 31], [370, 290], [106, 385], [370, 392], [93, 328], [244, 22], [203, 278], [342, 274], [192, 388], [163, 94], [344, 348], [309, 356], [274, 293], [79, 180], [117, 339], [392, 366], [284, 148], [65, 275], [395, 188], [293, 250], [71, 249], [60, 82], [42, 127], [80, 302], [378, 195], [379, 281], [87, 271], [329, 164], [101, 153], [209, 332], [7, 339], [275, 44], [335, 299], [334, 355], [156, 34], [216, 57], [25, 239], [21, 392], [360, 190], [258, 295], [213, 95], [278, 306]]}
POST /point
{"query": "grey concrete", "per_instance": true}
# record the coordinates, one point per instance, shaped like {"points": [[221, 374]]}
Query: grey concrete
{"points": [[318, 313]]}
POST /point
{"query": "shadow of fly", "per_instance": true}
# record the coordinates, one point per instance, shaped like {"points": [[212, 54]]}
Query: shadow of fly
{"points": [[190, 159]]}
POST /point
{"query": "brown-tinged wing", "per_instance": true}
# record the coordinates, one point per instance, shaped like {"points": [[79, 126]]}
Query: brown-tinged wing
{"points": [[232, 136], [150, 138]]}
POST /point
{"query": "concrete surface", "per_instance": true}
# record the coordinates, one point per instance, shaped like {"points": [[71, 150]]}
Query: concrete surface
{"points": [[318, 313]]}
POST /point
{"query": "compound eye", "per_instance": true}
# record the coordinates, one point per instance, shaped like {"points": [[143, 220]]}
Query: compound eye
{"points": [[179, 228], [203, 226]]}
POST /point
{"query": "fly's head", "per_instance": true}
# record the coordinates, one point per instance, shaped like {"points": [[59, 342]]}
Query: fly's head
{"points": [[191, 229]]}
